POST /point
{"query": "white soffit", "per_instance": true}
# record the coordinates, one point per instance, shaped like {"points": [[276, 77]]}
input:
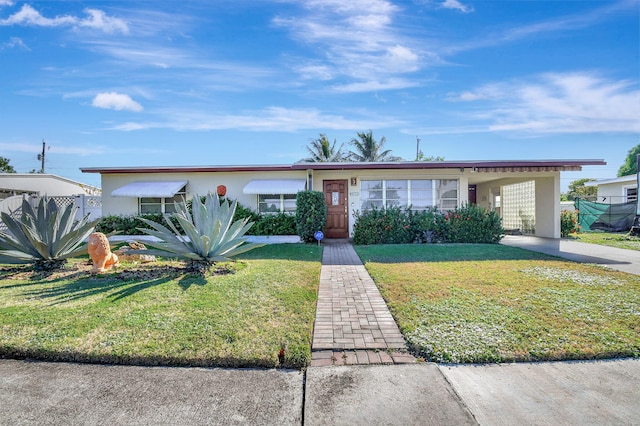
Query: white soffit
{"points": [[161, 189], [280, 186]]}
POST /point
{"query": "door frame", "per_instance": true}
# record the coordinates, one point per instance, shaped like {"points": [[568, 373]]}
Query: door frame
{"points": [[344, 232]]}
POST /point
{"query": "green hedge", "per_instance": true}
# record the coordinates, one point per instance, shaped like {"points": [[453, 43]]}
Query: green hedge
{"points": [[268, 224], [311, 214], [468, 224]]}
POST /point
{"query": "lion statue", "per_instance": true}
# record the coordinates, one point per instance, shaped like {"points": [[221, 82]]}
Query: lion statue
{"points": [[100, 253]]}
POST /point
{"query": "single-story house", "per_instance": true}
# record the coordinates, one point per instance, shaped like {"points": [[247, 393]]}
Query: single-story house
{"points": [[617, 190], [525, 193]]}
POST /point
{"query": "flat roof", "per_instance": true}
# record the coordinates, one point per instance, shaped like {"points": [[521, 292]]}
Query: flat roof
{"points": [[622, 179], [563, 165]]}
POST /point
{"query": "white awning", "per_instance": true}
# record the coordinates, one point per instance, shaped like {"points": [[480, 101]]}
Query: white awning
{"points": [[291, 186], [161, 189]]}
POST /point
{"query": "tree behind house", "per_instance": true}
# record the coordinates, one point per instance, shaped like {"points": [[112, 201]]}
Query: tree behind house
{"points": [[323, 151], [368, 149]]}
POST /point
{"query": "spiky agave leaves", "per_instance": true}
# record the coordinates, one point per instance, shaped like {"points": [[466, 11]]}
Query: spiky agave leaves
{"points": [[46, 236], [211, 235]]}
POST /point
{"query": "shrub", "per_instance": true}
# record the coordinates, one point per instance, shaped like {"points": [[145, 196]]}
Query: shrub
{"points": [[394, 225], [128, 225], [280, 224], [46, 236], [469, 224], [382, 226], [311, 214], [213, 234], [568, 223], [274, 224]]}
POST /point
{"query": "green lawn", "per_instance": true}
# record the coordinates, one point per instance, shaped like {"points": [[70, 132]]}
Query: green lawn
{"points": [[493, 303], [160, 316], [611, 239]]}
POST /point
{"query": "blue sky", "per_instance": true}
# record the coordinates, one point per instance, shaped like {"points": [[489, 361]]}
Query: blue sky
{"points": [[128, 83]]}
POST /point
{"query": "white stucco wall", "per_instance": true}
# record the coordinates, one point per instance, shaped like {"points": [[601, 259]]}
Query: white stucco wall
{"points": [[614, 191], [198, 183]]}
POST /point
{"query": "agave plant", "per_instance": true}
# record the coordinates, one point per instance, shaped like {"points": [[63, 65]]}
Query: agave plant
{"points": [[46, 236], [211, 235]]}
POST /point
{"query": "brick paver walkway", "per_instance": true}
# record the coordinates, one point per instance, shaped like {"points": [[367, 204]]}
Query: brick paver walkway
{"points": [[353, 324]]}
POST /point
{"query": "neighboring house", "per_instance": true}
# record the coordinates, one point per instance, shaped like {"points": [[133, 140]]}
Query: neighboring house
{"points": [[14, 186], [41, 184], [616, 191], [505, 186]]}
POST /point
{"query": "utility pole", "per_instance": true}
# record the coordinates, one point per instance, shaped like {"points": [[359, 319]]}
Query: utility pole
{"points": [[41, 157], [417, 148]]}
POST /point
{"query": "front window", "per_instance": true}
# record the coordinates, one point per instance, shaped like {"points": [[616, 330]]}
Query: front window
{"points": [[276, 203], [419, 194], [162, 205], [631, 194]]}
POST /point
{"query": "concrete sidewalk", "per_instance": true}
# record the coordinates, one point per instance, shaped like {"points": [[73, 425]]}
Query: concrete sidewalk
{"points": [[593, 392], [611, 257]]}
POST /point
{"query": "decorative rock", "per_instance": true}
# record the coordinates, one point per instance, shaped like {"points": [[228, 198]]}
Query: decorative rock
{"points": [[123, 253]]}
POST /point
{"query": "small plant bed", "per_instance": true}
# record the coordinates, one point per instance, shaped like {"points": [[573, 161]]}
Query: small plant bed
{"points": [[238, 314], [475, 303], [611, 239]]}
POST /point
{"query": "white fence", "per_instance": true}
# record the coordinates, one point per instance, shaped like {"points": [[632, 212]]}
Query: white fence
{"points": [[84, 204]]}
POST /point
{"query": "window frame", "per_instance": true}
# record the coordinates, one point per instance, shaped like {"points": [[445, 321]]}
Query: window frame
{"points": [[179, 196], [282, 203], [433, 191], [630, 197]]}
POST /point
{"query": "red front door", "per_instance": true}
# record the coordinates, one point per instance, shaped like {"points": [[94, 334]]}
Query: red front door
{"points": [[335, 197]]}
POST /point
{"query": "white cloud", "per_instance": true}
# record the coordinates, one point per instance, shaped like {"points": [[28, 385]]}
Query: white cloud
{"points": [[266, 120], [117, 101], [355, 40], [456, 5], [565, 23], [375, 85], [99, 20], [14, 42], [96, 19], [578, 102], [6, 3]]}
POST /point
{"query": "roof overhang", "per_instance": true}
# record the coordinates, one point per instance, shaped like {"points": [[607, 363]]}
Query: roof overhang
{"points": [[477, 165], [275, 186], [159, 189], [623, 179]]}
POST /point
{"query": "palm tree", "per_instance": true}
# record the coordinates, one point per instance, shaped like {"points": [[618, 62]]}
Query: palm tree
{"points": [[370, 150], [322, 151]]}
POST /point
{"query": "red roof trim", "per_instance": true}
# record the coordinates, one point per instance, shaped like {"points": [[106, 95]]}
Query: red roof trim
{"points": [[408, 165], [184, 169]]}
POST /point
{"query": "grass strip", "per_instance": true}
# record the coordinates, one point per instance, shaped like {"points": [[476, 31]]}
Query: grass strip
{"points": [[611, 239]]}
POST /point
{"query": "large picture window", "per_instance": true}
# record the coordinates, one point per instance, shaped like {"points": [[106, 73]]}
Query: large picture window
{"points": [[277, 203], [419, 194], [161, 205]]}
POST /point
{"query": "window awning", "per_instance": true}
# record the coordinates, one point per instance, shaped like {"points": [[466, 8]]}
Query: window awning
{"points": [[282, 186], [162, 189]]}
